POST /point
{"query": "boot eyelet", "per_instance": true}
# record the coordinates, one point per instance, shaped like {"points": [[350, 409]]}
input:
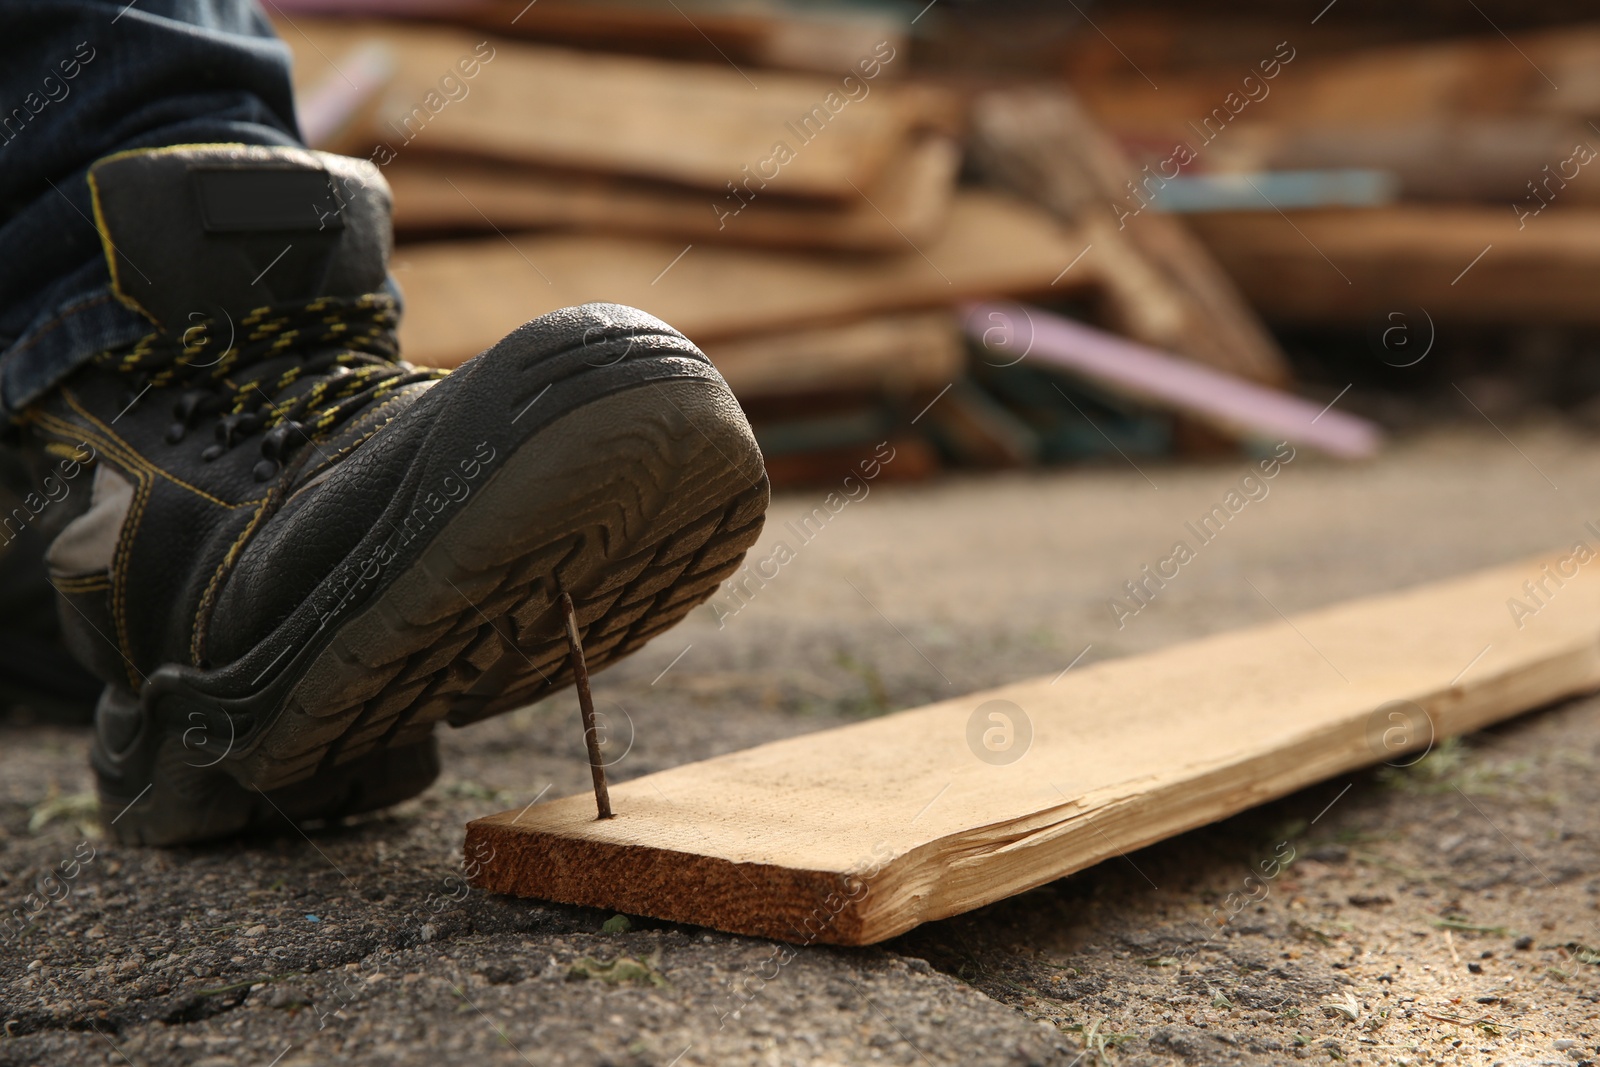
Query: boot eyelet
{"points": [[176, 432], [211, 453], [264, 470]]}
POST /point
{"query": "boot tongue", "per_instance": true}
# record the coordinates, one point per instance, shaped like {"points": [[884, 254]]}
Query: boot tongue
{"points": [[216, 231]]}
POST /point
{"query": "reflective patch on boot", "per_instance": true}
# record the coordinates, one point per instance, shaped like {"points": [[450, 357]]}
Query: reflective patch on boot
{"points": [[88, 543]]}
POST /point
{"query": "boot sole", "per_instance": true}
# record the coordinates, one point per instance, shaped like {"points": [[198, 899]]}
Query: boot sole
{"points": [[638, 531]]}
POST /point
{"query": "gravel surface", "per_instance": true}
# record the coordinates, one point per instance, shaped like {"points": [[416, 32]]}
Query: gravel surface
{"points": [[1447, 912]]}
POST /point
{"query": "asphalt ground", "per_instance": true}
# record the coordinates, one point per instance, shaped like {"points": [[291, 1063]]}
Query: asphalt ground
{"points": [[1446, 912]]}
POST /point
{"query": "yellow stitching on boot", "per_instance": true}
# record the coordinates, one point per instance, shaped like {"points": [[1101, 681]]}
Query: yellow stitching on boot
{"points": [[124, 538], [144, 474], [94, 583], [110, 250], [202, 613], [119, 583], [121, 450], [117, 450]]}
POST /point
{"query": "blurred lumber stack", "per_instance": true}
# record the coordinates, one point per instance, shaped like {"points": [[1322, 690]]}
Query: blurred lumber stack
{"points": [[1489, 142], [1162, 287], [806, 228], [772, 181]]}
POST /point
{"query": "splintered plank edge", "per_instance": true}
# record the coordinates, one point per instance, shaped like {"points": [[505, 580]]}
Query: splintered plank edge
{"points": [[856, 834], [463, 296]]}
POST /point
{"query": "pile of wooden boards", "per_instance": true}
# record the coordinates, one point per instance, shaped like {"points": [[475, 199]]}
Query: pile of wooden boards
{"points": [[806, 229], [1488, 142], [805, 225]]}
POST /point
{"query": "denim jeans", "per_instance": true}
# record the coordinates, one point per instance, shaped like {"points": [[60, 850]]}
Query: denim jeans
{"points": [[82, 79]]}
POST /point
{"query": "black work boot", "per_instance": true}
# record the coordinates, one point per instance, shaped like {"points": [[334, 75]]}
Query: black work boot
{"points": [[300, 553]]}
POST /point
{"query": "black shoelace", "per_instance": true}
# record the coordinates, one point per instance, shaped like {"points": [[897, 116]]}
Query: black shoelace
{"points": [[350, 362]]}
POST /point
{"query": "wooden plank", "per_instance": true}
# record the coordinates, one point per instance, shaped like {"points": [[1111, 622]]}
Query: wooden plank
{"points": [[909, 202], [893, 353], [1483, 158], [1233, 405], [856, 834], [462, 297], [1162, 287], [772, 35], [698, 124], [976, 430], [711, 31], [1397, 84], [1355, 267], [1551, 71]]}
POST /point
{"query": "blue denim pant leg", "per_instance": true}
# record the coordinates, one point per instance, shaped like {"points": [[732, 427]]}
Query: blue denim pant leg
{"points": [[81, 79]]}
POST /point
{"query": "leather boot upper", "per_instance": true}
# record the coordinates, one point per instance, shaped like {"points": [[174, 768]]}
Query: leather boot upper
{"points": [[270, 364]]}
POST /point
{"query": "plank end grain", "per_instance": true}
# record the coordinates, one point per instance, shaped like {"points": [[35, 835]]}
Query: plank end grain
{"points": [[580, 860]]}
